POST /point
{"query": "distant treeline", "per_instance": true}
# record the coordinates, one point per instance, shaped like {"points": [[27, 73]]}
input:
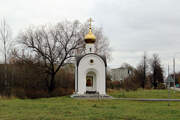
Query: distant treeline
{"points": [[149, 74], [29, 81]]}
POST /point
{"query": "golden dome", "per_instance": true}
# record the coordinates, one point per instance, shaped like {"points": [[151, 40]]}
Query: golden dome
{"points": [[90, 37]]}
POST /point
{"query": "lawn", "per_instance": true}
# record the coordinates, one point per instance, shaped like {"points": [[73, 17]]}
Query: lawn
{"points": [[145, 94], [66, 108]]}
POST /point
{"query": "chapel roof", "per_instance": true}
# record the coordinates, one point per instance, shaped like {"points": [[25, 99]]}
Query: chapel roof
{"points": [[78, 58]]}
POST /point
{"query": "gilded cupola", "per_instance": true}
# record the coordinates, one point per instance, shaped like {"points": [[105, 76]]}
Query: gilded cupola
{"points": [[90, 37]]}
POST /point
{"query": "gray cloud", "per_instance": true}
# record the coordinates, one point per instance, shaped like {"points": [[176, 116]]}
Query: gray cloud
{"points": [[132, 26], [142, 25]]}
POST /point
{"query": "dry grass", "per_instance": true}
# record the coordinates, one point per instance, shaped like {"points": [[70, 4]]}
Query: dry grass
{"points": [[66, 108]]}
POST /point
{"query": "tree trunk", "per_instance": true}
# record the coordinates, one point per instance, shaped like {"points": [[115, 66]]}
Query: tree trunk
{"points": [[52, 82], [154, 78]]}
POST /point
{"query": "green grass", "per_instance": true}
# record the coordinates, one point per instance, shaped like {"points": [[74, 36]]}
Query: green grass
{"points": [[65, 108], [145, 94]]}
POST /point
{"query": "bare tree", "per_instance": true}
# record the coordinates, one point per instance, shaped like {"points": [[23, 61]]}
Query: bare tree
{"points": [[128, 66], [157, 70], [55, 45], [5, 37], [142, 70], [145, 67]]}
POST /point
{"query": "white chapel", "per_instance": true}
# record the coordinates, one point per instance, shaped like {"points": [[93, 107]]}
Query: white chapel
{"points": [[90, 70]]}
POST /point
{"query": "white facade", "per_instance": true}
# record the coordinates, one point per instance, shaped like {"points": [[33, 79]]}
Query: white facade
{"points": [[90, 75], [93, 66], [120, 74], [90, 48]]}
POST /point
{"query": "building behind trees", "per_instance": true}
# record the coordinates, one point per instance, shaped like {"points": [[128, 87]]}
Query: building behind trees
{"points": [[120, 74]]}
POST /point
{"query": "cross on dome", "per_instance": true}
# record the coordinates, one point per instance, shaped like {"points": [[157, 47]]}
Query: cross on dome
{"points": [[90, 23], [90, 38]]}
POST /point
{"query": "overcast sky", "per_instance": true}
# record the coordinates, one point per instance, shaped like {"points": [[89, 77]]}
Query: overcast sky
{"points": [[132, 26]]}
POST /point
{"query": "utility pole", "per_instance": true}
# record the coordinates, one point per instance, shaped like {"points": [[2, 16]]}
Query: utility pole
{"points": [[168, 87], [174, 74], [144, 70]]}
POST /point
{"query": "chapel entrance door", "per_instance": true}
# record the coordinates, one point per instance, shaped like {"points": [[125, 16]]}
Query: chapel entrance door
{"points": [[91, 82]]}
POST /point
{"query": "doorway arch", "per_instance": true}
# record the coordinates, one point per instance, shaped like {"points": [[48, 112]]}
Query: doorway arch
{"points": [[91, 82]]}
